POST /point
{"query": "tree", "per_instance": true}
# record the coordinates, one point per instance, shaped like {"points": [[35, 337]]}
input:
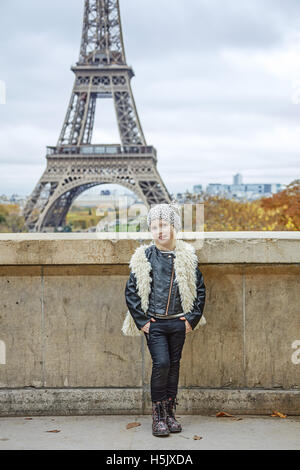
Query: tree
{"points": [[286, 205], [279, 212]]}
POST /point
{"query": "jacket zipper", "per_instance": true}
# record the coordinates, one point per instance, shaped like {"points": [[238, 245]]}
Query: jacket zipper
{"points": [[170, 289]]}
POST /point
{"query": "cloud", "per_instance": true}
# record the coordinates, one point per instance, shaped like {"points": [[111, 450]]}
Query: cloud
{"points": [[217, 83]]}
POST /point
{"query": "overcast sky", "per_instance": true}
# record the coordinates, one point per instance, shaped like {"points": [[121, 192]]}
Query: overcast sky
{"points": [[217, 87]]}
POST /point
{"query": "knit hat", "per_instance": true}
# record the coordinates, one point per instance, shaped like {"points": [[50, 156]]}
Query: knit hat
{"points": [[171, 213]]}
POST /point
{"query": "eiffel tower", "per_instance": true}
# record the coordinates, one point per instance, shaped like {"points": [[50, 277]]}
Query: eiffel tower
{"points": [[74, 164]]}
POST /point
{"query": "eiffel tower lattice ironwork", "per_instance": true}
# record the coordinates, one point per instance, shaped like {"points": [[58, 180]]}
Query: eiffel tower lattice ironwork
{"points": [[74, 164]]}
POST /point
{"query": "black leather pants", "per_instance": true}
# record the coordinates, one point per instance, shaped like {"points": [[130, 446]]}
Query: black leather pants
{"points": [[165, 341]]}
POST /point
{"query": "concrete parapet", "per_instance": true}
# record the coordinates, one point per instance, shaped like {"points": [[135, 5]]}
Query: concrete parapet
{"points": [[62, 306]]}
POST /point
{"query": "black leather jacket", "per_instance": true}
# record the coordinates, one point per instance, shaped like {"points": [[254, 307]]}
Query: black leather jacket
{"points": [[164, 296]]}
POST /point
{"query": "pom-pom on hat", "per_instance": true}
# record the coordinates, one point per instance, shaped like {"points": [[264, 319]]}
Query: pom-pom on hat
{"points": [[171, 213]]}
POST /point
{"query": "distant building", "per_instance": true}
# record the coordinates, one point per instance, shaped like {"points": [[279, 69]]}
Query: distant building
{"points": [[237, 179], [217, 188], [240, 190], [105, 192], [113, 199], [13, 199], [4, 199], [197, 188]]}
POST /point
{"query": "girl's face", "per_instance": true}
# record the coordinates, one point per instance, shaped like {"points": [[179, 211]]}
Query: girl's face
{"points": [[163, 232]]}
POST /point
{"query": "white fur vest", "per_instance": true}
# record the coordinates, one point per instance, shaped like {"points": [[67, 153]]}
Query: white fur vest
{"points": [[185, 264]]}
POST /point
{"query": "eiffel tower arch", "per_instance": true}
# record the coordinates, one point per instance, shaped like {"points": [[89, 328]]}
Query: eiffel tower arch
{"points": [[74, 164]]}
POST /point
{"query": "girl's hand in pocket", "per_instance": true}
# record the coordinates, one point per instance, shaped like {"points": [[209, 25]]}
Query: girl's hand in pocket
{"points": [[188, 327], [147, 326]]}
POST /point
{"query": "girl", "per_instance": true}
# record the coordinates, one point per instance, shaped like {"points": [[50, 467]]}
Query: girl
{"points": [[165, 296]]}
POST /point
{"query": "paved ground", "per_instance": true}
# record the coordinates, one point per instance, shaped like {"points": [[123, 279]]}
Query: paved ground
{"points": [[109, 432]]}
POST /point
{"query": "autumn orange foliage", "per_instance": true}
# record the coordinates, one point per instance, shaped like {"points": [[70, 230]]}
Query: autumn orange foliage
{"points": [[277, 213]]}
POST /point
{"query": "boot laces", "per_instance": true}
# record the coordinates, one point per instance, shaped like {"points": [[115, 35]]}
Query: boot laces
{"points": [[172, 404], [160, 410]]}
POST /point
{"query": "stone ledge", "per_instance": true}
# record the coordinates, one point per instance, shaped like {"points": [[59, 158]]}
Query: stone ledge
{"points": [[105, 248], [106, 401]]}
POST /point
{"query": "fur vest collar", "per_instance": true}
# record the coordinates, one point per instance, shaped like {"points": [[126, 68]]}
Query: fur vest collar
{"points": [[185, 264]]}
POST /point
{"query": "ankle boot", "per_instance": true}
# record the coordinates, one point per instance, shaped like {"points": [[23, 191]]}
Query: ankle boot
{"points": [[159, 425], [173, 424]]}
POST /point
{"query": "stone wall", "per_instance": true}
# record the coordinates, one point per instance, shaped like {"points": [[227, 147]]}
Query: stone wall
{"points": [[62, 305]]}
